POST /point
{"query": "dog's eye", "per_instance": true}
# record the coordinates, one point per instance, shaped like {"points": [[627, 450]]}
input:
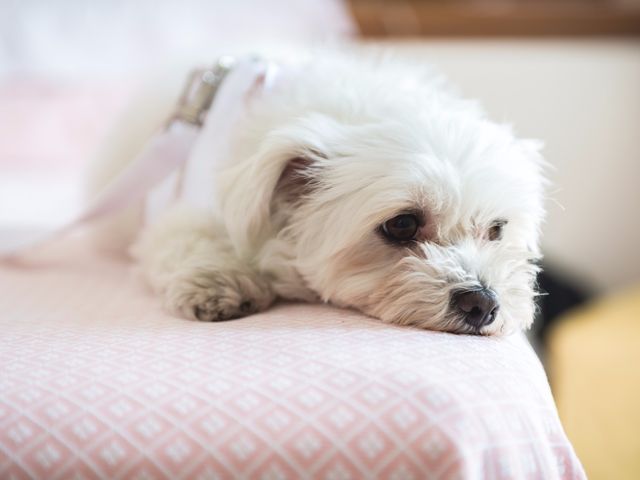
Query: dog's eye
{"points": [[401, 228], [495, 230]]}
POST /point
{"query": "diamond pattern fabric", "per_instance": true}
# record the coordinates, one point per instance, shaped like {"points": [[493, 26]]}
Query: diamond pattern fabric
{"points": [[96, 381]]}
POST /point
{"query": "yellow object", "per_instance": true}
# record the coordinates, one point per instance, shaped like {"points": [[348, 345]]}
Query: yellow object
{"points": [[594, 365]]}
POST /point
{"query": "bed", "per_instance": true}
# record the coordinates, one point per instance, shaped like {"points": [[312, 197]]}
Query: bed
{"points": [[96, 381]]}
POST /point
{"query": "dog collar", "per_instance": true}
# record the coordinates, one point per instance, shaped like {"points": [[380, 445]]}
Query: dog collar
{"points": [[199, 92]]}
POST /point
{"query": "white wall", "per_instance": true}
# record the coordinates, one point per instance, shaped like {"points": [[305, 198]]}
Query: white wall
{"points": [[80, 38], [583, 99]]}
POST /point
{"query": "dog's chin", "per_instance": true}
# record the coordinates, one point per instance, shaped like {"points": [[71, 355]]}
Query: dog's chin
{"points": [[501, 326], [450, 320]]}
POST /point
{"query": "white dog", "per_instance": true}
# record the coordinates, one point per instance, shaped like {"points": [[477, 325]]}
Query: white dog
{"points": [[367, 184]]}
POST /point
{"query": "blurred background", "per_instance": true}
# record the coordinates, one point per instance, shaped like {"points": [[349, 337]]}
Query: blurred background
{"points": [[564, 71]]}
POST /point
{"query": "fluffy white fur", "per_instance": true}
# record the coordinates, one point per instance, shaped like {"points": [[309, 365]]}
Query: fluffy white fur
{"points": [[318, 167]]}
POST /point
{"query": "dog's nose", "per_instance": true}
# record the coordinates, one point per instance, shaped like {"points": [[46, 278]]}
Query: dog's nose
{"points": [[479, 306]]}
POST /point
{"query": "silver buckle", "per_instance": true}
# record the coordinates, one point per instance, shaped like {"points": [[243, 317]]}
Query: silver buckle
{"points": [[199, 92]]}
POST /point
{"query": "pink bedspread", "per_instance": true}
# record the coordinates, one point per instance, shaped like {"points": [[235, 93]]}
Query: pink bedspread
{"points": [[97, 382]]}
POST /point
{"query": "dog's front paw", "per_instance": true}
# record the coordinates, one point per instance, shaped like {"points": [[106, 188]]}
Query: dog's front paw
{"points": [[218, 296], [216, 309]]}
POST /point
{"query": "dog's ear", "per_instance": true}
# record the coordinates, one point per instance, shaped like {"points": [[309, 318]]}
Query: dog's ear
{"points": [[281, 172], [267, 188], [297, 178]]}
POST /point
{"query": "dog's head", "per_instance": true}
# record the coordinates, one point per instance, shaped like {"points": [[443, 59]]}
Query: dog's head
{"points": [[417, 217]]}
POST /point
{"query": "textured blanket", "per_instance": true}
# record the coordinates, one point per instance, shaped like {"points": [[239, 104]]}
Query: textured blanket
{"points": [[96, 381]]}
